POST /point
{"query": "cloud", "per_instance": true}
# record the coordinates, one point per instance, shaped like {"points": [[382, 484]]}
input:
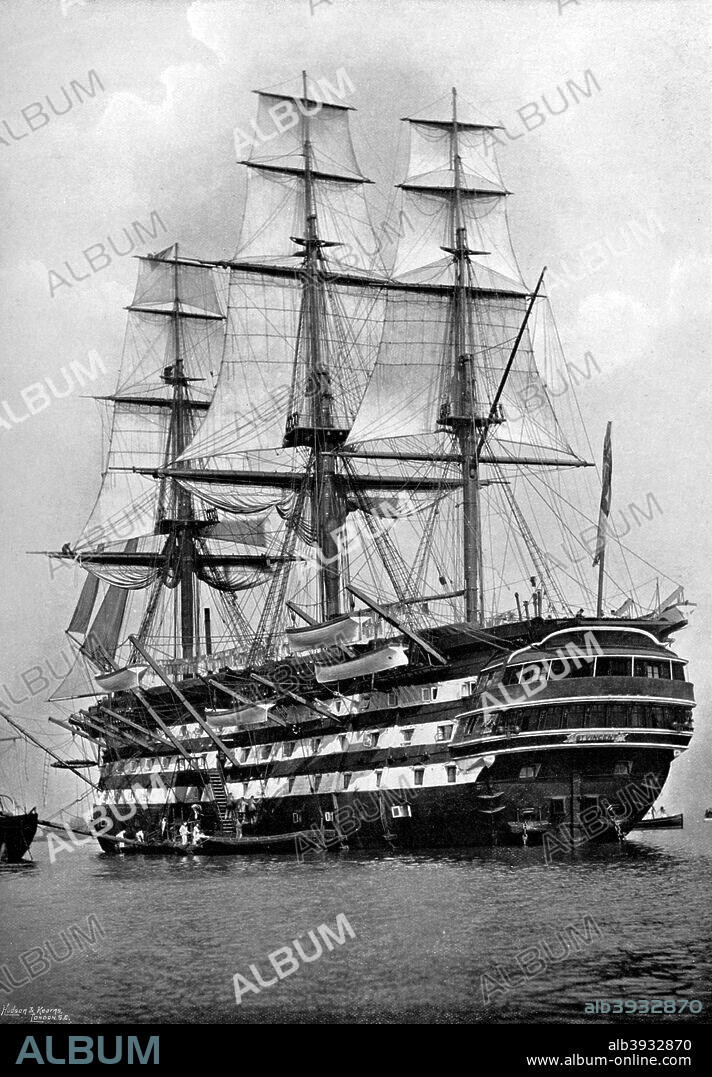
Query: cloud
{"points": [[616, 327]]}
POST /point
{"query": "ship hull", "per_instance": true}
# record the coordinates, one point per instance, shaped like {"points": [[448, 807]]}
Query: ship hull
{"points": [[592, 806], [490, 813], [17, 833]]}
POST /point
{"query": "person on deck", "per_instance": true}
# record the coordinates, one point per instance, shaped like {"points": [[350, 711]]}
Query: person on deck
{"points": [[184, 833], [140, 836], [198, 834]]}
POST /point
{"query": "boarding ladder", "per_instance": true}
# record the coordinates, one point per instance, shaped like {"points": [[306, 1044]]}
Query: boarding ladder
{"points": [[220, 796]]}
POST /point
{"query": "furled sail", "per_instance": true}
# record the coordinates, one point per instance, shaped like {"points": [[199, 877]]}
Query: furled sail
{"points": [[102, 639], [82, 614]]}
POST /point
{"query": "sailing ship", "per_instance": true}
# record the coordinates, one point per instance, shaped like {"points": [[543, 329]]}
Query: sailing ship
{"points": [[320, 594], [17, 826], [17, 830]]}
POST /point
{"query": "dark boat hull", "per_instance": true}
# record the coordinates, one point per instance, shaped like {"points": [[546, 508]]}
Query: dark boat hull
{"points": [[17, 833], [665, 822], [214, 845]]}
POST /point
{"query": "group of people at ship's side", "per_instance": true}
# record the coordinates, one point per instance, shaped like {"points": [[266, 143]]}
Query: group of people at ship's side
{"points": [[187, 838], [186, 833]]}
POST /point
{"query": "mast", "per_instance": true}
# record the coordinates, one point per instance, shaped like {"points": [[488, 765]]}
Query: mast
{"points": [[319, 431], [141, 536], [174, 375], [463, 423]]}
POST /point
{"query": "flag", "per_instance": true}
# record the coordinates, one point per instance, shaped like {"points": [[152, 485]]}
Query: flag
{"points": [[605, 509]]}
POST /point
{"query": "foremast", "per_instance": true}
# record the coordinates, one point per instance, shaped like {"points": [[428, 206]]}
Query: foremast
{"points": [[179, 436], [160, 537]]}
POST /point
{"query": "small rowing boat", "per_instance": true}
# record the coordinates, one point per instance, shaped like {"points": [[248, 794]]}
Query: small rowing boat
{"points": [[221, 845], [660, 822]]}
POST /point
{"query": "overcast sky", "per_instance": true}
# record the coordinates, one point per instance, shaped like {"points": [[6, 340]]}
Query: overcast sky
{"points": [[172, 81]]}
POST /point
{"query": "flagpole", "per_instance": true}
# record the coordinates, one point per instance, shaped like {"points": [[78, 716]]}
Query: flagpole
{"points": [[603, 514], [601, 564]]}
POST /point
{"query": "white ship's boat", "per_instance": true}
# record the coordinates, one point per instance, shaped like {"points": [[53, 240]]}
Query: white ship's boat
{"points": [[121, 680], [242, 717], [335, 633], [385, 658]]}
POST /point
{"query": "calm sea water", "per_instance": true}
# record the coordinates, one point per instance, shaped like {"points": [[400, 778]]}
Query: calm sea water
{"points": [[427, 928]]}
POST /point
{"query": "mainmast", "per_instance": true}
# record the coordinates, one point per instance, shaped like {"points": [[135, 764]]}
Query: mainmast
{"points": [[319, 431]]}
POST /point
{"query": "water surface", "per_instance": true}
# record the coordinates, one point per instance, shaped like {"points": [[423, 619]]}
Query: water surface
{"points": [[427, 929]]}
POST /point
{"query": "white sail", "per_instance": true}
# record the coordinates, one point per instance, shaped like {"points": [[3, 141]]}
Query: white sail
{"points": [[259, 387], [165, 287], [425, 226], [274, 206], [431, 158], [426, 216], [414, 372], [130, 505], [78, 683]]}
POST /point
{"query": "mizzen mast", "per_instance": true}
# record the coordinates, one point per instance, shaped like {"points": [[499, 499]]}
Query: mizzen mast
{"points": [[463, 419]]}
